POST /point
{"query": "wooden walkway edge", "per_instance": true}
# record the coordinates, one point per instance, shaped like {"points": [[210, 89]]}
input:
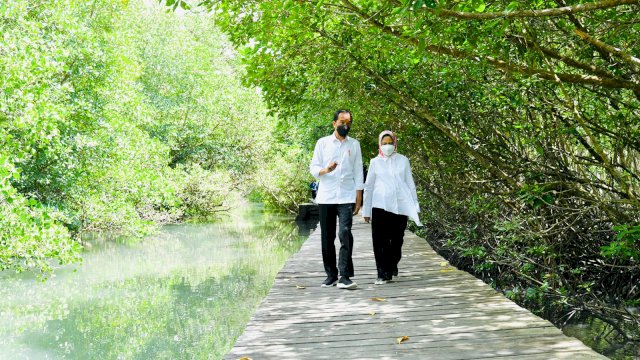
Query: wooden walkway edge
{"points": [[446, 313]]}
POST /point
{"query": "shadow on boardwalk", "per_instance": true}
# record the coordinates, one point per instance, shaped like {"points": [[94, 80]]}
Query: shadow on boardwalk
{"points": [[445, 313]]}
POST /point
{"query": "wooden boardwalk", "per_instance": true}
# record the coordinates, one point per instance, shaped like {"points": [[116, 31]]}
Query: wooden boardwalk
{"points": [[445, 313]]}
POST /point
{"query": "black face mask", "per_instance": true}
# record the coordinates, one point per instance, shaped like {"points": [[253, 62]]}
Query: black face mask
{"points": [[342, 130]]}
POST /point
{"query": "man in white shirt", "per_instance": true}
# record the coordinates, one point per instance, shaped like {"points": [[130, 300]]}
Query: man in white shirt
{"points": [[337, 164]]}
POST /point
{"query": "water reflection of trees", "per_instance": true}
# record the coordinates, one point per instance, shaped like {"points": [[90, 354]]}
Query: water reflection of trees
{"points": [[188, 294], [169, 318], [273, 229]]}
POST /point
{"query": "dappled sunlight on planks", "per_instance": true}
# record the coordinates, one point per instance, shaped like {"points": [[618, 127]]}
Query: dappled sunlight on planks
{"points": [[436, 314]]}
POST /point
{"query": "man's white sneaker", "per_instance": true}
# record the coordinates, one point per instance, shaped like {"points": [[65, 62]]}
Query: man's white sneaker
{"points": [[329, 281], [345, 283]]}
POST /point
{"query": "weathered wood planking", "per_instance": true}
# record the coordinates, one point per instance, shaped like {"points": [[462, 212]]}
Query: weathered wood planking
{"points": [[445, 312]]}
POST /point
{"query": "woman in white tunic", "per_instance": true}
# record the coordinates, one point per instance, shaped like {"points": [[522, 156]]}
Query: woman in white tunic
{"points": [[389, 199]]}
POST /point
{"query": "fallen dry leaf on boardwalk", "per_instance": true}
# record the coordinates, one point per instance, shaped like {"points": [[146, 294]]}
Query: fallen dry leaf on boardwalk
{"points": [[300, 287], [402, 339], [377, 299], [372, 313]]}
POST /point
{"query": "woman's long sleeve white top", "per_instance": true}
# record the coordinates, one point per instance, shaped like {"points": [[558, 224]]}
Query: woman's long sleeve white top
{"points": [[389, 186]]}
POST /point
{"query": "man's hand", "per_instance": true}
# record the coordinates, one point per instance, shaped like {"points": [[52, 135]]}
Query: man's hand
{"points": [[329, 168]]}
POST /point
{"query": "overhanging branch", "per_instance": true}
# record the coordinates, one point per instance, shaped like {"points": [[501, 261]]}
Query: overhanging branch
{"points": [[596, 5], [500, 64]]}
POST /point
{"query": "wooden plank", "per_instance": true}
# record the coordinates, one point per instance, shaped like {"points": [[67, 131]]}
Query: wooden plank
{"points": [[390, 311], [441, 339], [447, 313], [458, 349]]}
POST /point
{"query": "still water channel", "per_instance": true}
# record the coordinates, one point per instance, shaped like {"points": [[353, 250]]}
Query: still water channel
{"points": [[185, 293]]}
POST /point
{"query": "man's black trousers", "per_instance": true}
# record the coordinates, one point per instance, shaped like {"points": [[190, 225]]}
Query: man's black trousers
{"points": [[328, 215]]}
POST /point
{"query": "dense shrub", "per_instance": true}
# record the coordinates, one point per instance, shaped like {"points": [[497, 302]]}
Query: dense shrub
{"points": [[113, 117]]}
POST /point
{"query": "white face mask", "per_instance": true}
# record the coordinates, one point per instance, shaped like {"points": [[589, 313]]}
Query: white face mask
{"points": [[388, 149]]}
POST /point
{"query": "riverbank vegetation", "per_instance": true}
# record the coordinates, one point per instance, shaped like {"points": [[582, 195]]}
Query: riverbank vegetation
{"points": [[116, 116], [521, 120]]}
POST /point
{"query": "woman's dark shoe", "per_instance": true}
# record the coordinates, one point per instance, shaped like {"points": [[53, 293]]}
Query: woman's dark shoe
{"points": [[381, 281]]}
